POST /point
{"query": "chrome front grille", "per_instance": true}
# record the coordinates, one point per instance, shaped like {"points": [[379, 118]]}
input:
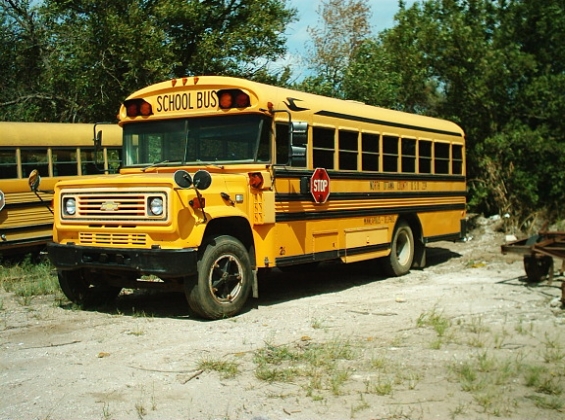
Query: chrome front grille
{"points": [[115, 207]]}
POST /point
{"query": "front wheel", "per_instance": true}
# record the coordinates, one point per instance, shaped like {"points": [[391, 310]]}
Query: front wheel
{"points": [[224, 278], [78, 288], [401, 255]]}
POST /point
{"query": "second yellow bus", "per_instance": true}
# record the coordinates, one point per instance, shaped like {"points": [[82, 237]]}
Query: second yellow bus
{"points": [[56, 151]]}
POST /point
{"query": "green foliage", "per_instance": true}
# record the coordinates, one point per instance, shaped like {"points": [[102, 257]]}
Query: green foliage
{"points": [[76, 60], [27, 279], [497, 69], [319, 364]]}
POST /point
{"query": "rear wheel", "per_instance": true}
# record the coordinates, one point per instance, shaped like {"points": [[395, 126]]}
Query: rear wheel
{"points": [[537, 268], [223, 283], [401, 255], [79, 289]]}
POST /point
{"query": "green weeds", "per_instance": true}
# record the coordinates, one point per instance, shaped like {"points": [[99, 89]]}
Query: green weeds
{"points": [[27, 280]]}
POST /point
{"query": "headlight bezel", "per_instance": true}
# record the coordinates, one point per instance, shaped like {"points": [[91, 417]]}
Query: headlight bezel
{"points": [[155, 206], [69, 207]]}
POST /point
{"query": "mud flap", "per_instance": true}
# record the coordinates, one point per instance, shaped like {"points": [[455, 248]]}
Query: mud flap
{"points": [[419, 254]]}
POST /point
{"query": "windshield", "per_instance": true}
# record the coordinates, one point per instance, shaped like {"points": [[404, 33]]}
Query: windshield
{"points": [[221, 139]]}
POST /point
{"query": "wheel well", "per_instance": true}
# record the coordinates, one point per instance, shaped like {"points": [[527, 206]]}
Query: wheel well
{"points": [[238, 227], [414, 222], [419, 246]]}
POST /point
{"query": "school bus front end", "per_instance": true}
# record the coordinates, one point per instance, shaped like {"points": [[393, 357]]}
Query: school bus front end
{"points": [[156, 230], [95, 225]]}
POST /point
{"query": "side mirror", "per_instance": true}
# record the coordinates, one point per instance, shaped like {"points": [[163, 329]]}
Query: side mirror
{"points": [[98, 140], [298, 142], [183, 179], [34, 180], [202, 179]]}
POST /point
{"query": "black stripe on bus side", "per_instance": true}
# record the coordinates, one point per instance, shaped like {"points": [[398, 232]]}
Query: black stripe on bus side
{"points": [[370, 195], [386, 123], [338, 214], [27, 204], [19, 229], [365, 176], [20, 242], [329, 255]]}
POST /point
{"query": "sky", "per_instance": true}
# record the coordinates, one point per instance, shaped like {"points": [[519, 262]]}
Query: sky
{"points": [[382, 17]]}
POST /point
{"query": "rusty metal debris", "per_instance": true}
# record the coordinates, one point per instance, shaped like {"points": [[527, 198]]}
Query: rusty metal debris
{"points": [[539, 251]]}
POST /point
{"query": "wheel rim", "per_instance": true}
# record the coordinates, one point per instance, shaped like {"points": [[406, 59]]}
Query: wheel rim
{"points": [[225, 278], [403, 248]]}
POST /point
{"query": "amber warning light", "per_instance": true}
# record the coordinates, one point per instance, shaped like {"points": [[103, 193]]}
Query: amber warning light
{"points": [[233, 98], [138, 107]]}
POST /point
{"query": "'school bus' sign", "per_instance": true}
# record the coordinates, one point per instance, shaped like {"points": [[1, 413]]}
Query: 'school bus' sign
{"points": [[320, 185]]}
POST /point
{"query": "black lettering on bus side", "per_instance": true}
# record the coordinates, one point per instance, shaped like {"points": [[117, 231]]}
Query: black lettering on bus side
{"points": [[184, 101]]}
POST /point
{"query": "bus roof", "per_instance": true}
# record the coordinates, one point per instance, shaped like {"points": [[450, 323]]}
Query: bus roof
{"points": [[23, 134], [314, 109]]}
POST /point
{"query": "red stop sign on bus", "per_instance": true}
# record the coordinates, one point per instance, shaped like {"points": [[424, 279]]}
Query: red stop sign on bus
{"points": [[320, 185], [2, 200]]}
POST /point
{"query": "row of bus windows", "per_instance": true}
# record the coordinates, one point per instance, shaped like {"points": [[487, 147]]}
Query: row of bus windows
{"points": [[382, 153], [18, 163]]}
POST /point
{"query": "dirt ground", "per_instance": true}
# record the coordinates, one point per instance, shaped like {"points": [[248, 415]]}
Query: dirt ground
{"points": [[142, 358]]}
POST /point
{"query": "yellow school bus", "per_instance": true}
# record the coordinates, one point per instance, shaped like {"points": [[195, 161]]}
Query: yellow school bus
{"points": [[223, 177], [55, 151]]}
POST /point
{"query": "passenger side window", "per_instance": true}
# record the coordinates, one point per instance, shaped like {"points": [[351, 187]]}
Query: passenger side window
{"points": [[8, 164], [323, 147], [64, 162], [370, 146], [441, 158], [348, 149], [408, 155], [457, 160], [35, 159], [390, 154], [425, 157], [282, 143]]}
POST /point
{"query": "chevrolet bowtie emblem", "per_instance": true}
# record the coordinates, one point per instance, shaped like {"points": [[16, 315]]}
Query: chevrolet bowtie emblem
{"points": [[109, 206]]}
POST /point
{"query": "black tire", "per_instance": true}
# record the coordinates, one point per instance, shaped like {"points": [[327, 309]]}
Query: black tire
{"points": [[223, 283], [537, 269], [401, 255], [78, 289]]}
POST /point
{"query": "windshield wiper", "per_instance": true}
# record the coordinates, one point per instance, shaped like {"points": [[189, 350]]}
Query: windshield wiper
{"points": [[214, 165], [153, 165]]}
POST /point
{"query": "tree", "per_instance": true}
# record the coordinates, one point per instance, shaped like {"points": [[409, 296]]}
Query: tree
{"points": [[496, 68], [344, 27], [230, 37], [76, 60], [23, 45]]}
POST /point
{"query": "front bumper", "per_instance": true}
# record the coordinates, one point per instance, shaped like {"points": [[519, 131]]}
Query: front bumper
{"points": [[160, 262]]}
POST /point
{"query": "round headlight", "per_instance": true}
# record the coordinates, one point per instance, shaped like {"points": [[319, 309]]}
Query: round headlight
{"points": [[70, 206], [156, 206]]}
